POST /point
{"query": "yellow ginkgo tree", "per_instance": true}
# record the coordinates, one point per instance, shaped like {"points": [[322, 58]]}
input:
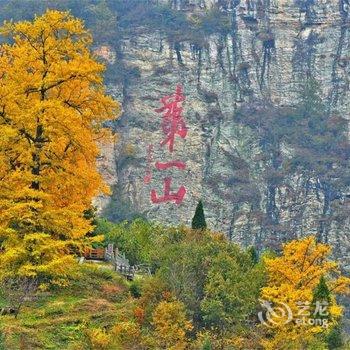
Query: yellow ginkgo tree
{"points": [[52, 108], [300, 295]]}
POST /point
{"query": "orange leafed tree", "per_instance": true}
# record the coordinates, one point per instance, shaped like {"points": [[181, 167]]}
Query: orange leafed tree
{"points": [[52, 108]]}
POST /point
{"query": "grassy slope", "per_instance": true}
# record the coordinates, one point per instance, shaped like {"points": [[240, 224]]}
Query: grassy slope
{"points": [[63, 319]]}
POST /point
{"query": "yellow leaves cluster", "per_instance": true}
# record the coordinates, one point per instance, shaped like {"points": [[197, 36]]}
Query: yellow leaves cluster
{"points": [[99, 339], [171, 325], [302, 264], [126, 333], [292, 278], [52, 109]]}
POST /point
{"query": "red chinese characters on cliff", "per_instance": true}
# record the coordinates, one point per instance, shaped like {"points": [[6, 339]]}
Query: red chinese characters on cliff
{"points": [[173, 126], [173, 123], [168, 196]]}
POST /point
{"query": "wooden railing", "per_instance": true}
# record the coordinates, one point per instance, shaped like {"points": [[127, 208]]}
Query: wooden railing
{"points": [[120, 262]]}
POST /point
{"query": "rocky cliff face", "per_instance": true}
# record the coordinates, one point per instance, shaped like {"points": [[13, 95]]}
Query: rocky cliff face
{"points": [[270, 49]]}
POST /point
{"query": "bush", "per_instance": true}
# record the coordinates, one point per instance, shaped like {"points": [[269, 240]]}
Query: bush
{"points": [[99, 339], [135, 289]]}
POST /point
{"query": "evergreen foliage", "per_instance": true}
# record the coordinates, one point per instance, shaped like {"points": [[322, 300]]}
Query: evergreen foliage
{"points": [[198, 221], [321, 293], [207, 345], [254, 255]]}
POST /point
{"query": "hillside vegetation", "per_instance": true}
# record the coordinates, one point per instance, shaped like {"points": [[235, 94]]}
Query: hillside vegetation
{"points": [[204, 293]]}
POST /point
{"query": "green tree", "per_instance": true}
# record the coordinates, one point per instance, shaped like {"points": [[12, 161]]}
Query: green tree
{"points": [[203, 270], [231, 291], [136, 239], [253, 254], [207, 345], [198, 221], [321, 293]]}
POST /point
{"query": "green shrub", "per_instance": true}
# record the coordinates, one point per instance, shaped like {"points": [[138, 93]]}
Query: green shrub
{"points": [[135, 289]]}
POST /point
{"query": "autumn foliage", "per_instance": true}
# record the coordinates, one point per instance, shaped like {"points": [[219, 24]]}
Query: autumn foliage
{"points": [[294, 279], [199, 291], [171, 325], [52, 108]]}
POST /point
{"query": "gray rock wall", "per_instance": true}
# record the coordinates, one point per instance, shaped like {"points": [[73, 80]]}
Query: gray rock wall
{"points": [[273, 45]]}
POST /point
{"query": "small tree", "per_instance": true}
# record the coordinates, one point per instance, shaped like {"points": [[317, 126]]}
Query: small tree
{"points": [[253, 254], [207, 345], [321, 293], [198, 221]]}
